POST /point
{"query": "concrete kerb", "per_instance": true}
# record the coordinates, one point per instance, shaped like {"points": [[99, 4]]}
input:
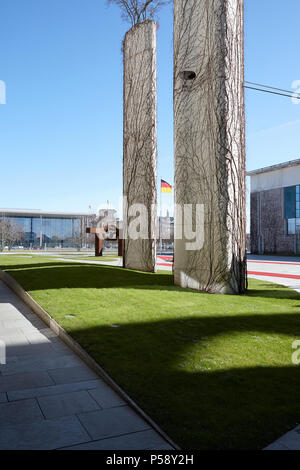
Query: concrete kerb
{"points": [[69, 341]]}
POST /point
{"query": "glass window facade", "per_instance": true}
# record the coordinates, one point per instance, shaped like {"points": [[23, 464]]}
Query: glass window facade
{"points": [[297, 201], [291, 226], [292, 209], [45, 231]]}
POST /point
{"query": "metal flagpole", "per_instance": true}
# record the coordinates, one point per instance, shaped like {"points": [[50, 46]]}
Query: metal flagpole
{"points": [[160, 216]]}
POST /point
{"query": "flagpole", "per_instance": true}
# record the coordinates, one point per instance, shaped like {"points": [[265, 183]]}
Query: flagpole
{"points": [[160, 213]]}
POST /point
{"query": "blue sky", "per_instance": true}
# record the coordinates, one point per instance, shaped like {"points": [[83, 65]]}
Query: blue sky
{"points": [[61, 129]]}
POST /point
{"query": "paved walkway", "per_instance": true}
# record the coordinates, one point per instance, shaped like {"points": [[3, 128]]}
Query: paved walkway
{"points": [[279, 269], [50, 399]]}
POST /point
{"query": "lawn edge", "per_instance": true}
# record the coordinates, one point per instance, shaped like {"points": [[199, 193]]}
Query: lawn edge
{"points": [[11, 282]]}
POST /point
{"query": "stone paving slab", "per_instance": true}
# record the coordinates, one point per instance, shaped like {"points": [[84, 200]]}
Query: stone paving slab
{"points": [[48, 333], [106, 397], [25, 411], [53, 390], [276, 446], [112, 422], [29, 349], [11, 359], [9, 314], [72, 374], [65, 404], [289, 441], [36, 322], [142, 440], [42, 333], [8, 332], [26, 380], [40, 364], [27, 357], [3, 397], [18, 323], [15, 341], [36, 338], [59, 346], [44, 435]]}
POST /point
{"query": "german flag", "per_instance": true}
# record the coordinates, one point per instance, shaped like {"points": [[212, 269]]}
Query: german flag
{"points": [[165, 187]]}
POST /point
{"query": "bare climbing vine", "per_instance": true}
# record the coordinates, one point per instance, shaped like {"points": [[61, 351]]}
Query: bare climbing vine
{"points": [[139, 143], [210, 138]]}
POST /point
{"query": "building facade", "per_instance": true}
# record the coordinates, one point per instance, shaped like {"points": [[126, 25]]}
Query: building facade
{"points": [[275, 209], [36, 229], [165, 231]]}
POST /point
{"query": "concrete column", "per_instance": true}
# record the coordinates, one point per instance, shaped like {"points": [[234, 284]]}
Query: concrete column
{"points": [[209, 145], [140, 147]]}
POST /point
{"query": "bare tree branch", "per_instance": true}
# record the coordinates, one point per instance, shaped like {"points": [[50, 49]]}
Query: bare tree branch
{"points": [[10, 233], [138, 11]]}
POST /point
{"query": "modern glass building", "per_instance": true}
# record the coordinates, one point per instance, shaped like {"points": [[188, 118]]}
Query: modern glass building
{"points": [[275, 208], [292, 209], [37, 229]]}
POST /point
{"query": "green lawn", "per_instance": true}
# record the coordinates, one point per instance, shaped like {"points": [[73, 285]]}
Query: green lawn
{"points": [[213, 371]]}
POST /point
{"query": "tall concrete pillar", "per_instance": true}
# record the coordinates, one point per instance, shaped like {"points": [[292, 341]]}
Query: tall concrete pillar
{"points": [[140, 147], [209, 145]]}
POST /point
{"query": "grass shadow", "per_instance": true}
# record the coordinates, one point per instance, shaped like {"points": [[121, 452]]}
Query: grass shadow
{"points": [[165, 366]]}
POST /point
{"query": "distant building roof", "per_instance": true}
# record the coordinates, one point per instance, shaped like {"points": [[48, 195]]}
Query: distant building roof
{"points": [[279, 166], [38, 213]]}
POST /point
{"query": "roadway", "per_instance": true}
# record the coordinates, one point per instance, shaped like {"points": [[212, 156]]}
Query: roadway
{"points": [[283, 270]]}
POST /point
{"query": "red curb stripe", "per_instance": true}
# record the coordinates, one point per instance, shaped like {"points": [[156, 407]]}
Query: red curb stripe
{"points": [[256, 273], [295, 263], [287, 276], [273, 262]]}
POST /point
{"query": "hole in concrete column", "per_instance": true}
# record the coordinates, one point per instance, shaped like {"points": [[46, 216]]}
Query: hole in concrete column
{"points": [[187, 75]]}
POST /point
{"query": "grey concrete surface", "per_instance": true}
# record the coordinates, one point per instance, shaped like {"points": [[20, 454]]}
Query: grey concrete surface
{"points": [[53, 390], [3, 397], [65, 404], [112, 421], [289, 441], [142, 440], [276, 269], [105, 397], [44, 435], [26, 411], [50, 399]]}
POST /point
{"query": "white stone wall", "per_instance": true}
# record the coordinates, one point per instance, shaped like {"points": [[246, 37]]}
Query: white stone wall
{"points": [[140, 147], [280, 178], [209, 143]]}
